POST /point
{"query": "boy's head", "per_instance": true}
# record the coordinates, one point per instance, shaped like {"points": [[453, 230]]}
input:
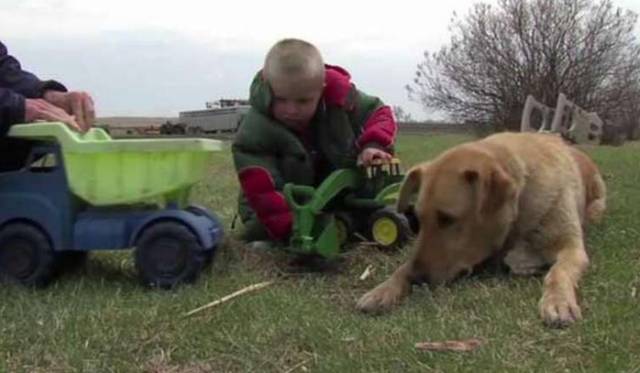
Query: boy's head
{"points": [[295, 71]]}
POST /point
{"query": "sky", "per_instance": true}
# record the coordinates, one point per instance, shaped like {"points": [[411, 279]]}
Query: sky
{"points": [[154, 58]]}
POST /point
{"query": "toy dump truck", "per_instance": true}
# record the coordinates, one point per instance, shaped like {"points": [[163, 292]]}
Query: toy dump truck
{"points": [[63, 194], [349, 201]]}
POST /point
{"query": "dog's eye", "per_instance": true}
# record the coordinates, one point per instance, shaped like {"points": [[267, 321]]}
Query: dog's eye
{"points": [[444, 219]]}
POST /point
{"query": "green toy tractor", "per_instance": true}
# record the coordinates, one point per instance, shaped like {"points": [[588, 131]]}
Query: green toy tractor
{"points": [[350, 202]]}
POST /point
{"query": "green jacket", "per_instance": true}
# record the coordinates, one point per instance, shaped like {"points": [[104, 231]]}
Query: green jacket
{"points": [[268, 155]]}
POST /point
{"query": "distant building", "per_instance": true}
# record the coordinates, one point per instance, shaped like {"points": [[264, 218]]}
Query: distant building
{"points": [[219, 116]]}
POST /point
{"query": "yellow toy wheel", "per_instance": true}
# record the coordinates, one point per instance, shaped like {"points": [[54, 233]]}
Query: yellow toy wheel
{"points": [[384, 231], [388, 228]]}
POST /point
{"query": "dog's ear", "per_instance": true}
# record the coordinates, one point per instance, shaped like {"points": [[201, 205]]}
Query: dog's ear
{"points": [[410, 186], [493, 188], [499, 187]]}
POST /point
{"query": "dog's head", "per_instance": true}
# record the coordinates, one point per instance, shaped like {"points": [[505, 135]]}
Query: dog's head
{"points": [[465, 203]]}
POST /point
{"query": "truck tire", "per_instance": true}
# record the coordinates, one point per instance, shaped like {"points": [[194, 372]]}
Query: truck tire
{"points": [[389, 229], [168, 254], [26, 255], [210, 251]]}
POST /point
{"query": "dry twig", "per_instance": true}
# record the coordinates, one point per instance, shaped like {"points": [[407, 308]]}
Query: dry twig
{"points": [[367, 272], [227, 298], [456, 346]]}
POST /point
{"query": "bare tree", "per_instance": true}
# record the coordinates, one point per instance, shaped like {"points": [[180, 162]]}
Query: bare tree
{"points": [[401, 115], [498, 55]]}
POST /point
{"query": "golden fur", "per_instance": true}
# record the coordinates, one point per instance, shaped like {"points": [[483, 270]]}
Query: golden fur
{"points": [[524, 196]]}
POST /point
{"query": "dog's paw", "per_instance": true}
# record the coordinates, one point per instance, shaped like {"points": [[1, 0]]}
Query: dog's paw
{"points": [[559, 311], [381, 299]]}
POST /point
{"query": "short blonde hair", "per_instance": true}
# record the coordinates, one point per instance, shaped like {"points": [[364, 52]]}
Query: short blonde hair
{"points": [[293, 58]]}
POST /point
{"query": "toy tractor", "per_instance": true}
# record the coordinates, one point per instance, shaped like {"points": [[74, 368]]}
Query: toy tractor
{"points": [[350, 201], [63, 194]]}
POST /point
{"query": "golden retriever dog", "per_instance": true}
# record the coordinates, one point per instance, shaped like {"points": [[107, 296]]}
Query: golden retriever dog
{"points": [[524, 197]]}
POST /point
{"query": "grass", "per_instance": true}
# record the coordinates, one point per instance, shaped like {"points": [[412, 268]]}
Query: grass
{"points": [[101, 320]]}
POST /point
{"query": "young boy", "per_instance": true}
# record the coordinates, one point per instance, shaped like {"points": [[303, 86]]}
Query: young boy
{"points": [[306, 120]]}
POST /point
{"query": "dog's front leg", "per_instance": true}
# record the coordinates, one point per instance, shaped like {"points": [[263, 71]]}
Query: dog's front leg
{"points": [[389, 293], [559, 305]]}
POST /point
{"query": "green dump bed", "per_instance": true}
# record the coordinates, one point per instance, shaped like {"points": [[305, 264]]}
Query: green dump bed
{"points": [[105, 171]]}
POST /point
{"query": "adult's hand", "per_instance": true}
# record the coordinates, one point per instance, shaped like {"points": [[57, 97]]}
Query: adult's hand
{"points": [[77, 103], [39, 109]]}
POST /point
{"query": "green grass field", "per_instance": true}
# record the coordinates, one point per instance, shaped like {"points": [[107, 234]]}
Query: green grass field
{"points": [[101, 320]]}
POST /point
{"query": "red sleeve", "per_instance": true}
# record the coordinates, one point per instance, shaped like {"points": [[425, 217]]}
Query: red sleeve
{"points": [[269, 204], [380, 128]]}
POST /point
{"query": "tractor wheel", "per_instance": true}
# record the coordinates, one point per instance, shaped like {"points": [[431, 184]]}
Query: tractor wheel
{"points": [[388, 228], [345, 226], [26, 255], [168, 254], [414, 223]]}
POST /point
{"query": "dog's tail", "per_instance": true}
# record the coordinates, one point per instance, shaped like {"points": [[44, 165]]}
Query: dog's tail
{"points": [[596, 198], [595, 189]]}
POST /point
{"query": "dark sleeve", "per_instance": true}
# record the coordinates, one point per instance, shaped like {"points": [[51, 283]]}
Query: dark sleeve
{"points": [[16, 85], [13, 77], [11, 109]]}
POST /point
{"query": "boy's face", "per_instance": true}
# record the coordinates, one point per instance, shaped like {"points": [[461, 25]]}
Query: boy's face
{"points": [[295, 100]]}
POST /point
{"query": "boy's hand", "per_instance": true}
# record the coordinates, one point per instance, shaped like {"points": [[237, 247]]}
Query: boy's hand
{"points": [[367, 156], [78, 104]]}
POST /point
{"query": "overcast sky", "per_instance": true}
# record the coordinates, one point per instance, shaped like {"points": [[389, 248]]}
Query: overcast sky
{"points": [[154, 58]]}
